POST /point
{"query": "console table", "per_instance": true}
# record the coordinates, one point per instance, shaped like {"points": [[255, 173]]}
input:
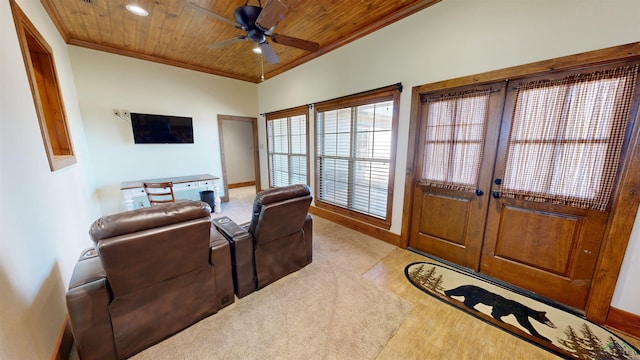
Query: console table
{"points": [[134, 189]]}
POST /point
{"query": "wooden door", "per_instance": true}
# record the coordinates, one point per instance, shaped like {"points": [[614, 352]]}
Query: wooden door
{"points": [[548, 169], [548, 249], [451, 198], [557, 165]]}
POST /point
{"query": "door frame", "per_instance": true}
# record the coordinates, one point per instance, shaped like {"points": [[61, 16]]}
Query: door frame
{"points": [[256, 149], [626, 198]]}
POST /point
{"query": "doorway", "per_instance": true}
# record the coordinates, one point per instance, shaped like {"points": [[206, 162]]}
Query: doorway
{"points": [[516, 179], [238, 138]]}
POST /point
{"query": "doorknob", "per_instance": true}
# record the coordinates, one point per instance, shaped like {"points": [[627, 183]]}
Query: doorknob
{"points": [[495, 194], [479, 192]]}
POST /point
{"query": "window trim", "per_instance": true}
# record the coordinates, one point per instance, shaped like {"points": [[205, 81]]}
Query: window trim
{"points": [[46, 94], [386, 93], [297, 111]]}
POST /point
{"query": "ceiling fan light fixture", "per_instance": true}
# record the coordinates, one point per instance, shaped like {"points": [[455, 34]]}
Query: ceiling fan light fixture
{"points": [[136, 10], [256, 49]]}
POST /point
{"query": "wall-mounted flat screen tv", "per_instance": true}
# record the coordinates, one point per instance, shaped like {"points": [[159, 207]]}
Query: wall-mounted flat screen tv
{"points": [[161, 129]]}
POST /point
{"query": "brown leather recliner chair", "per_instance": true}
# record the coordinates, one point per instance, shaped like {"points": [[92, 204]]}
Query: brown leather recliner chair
{"points": [[275, 243], [153, 272]]}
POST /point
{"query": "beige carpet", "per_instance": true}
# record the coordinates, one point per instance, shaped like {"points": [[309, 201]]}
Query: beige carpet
{"points": [[325, 311], [239, 205]]}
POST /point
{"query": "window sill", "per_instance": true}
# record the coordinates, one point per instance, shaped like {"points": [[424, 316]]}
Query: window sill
{"points": [[384, 224], [61, 161]]}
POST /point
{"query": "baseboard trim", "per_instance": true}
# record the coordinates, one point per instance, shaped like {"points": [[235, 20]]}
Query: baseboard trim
{"points": [[64, 343], [624, 321], [242, 184], [376, 232]]}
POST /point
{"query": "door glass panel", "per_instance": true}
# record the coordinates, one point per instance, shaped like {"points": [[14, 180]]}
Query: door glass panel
{"points": [[454, 140], [566, 138]]}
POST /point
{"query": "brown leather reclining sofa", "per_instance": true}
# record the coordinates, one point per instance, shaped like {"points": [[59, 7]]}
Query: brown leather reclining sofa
{"points": [[277, 241], [153, 272]]}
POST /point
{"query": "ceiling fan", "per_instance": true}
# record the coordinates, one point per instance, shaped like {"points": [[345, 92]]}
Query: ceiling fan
{"points": [[259, 24]]}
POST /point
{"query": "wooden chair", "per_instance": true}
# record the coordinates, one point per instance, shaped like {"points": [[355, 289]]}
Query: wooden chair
{"points": [[159, 192]]}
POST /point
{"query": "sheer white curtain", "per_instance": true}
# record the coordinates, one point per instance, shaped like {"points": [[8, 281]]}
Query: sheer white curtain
{"points": [[454, 140], [566, 138]]}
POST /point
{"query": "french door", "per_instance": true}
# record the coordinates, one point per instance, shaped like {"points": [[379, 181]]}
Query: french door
{"points": [[534, 212], [451, 198]]}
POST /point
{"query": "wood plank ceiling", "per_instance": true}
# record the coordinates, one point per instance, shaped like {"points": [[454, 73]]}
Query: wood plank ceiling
{"points": [[175, 34]]}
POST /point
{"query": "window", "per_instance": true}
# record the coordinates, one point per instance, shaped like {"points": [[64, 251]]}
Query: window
{"points": [[356, 137], [287, 147], [572, 129], [454, 139], [41, 70]]}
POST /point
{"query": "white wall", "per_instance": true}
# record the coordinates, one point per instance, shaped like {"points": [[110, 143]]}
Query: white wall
{"points": [[45, 215], [627, 294], [106, 81], [451, 39], [237, 136]]}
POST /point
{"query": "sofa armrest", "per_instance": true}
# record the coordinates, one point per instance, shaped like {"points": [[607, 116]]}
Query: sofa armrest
{"points": [[229, 228], [88, 300], [88, 254], [307, 227], [220, 259], [241, 242]]}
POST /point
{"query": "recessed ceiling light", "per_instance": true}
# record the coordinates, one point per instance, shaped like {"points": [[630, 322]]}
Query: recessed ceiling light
{"points": [[137, 10]]}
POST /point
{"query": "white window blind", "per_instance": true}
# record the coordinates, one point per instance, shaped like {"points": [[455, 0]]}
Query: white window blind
{"points": [[566, 138], [355, 154], [287, 148]]}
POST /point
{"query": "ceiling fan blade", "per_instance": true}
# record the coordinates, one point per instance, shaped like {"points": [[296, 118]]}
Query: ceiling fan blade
{"points": [[268, 53], [295, 42], [224, 43], [213, 15], [272, 12]]}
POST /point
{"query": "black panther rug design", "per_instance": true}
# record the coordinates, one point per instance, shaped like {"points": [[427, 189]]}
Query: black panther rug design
{"points": [[547, 325]]}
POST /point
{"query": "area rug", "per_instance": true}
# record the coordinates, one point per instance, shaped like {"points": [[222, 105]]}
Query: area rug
{"points": [[544, 324]]}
